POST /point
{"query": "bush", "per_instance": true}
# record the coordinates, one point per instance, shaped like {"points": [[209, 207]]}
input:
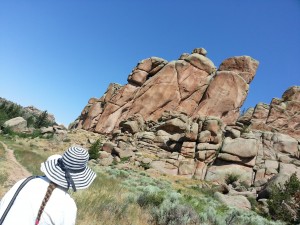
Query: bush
{"points": [[94, 149], [172, 211], [31, 121], [147, 199], [232, 177], [284, 201], [8, 130], [42, 120]]}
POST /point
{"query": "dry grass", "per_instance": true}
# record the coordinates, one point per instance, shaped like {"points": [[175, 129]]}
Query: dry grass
{"points": [[112, 198], [3, 173], [2, 152], [106, 203]]}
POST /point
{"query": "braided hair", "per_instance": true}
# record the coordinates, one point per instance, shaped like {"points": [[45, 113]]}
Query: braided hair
{"points": [[49, 191]]}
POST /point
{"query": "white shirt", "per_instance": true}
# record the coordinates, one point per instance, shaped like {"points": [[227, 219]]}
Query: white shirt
{"points": [[60, 209]]}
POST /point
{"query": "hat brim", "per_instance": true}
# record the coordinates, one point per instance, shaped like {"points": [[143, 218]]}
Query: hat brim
{"points": [[54, 173]]}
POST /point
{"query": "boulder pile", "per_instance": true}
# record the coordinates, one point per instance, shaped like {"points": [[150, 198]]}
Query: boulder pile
{"points": [[205, 148]]}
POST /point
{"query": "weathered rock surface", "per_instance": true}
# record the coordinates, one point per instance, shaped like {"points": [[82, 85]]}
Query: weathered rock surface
{"points": [[189, 85], [240, 202], [205, 148], [282, 115], [181, 118], [18, 124]]}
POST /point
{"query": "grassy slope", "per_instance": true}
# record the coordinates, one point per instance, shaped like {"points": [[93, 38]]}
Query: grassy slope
{"points": [[125, 196]]}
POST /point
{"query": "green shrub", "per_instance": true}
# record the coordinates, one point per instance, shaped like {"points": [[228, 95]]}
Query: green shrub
{"points": [[174, 213], [3, 117], [9, 111], [231, 177], [125, 159], [253, 202], [8, 130], [146, 166], [94, 149], [42, 120], [31, 121], [148, 198], [284, 201]]}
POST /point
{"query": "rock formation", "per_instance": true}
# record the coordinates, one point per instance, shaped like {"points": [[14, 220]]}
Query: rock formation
{"points": [[205, 148], [191, 85], [282, 115], [17, 124], [182, 118]]}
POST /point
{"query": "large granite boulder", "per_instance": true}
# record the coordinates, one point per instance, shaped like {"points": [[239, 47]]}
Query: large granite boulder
{"points": [[240, 202], [189, 85], [17, 124]]}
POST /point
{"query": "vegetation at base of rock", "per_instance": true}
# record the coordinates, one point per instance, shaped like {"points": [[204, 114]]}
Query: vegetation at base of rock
{"points": [[146, 166], [284, 201], [9, 111], [231, 177], [94, 149], [42, 121], [118, 194], [149, 198], [167, 205], [34, 134]]}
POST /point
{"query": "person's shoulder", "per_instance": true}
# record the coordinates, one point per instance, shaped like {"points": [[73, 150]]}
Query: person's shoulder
{"points": [[64, 196], [39, 181], [70, 203]]}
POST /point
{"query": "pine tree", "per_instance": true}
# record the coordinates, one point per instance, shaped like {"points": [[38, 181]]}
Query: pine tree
{"points": [[42, 120], [94, 149]]}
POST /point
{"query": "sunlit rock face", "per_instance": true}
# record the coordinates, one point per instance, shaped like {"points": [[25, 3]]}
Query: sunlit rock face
{"points": [[192, 85], [282, 115]]}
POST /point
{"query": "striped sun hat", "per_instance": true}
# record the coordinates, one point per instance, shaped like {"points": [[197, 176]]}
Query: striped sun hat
{"points": [[70, 169]]}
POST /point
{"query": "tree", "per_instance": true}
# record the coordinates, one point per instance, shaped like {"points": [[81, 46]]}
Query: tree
{"points": [[42, 120], [284, 201], [94, 149]]}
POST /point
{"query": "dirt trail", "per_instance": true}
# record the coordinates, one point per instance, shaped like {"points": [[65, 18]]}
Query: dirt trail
{"points": [[13, 168]]}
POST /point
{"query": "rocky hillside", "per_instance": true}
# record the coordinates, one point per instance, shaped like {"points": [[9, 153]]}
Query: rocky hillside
{"points": [[26, 112], [183, 118], [26, 121]]}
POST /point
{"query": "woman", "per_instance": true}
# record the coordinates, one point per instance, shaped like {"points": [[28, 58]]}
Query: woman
{"points": [[45, 200]]}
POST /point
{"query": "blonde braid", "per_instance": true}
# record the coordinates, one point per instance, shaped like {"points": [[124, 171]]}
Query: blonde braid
{"points": [[49, 191]]}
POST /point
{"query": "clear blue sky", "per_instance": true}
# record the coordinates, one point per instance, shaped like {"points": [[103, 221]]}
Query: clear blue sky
{"points": [[56, 55]]}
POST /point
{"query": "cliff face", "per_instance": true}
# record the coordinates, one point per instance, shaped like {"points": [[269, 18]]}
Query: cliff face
{"points": [[282, 115], [182, 118], [191, 85]]}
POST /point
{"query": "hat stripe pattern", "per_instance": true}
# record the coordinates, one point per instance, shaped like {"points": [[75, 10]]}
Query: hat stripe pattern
{"points": [[75, 158]]}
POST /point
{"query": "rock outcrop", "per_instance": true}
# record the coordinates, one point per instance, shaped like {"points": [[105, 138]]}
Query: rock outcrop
{"points": [[26, 112], [282, 115], [18, 124], [206, 149], [182, 118], [192, 85]]}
